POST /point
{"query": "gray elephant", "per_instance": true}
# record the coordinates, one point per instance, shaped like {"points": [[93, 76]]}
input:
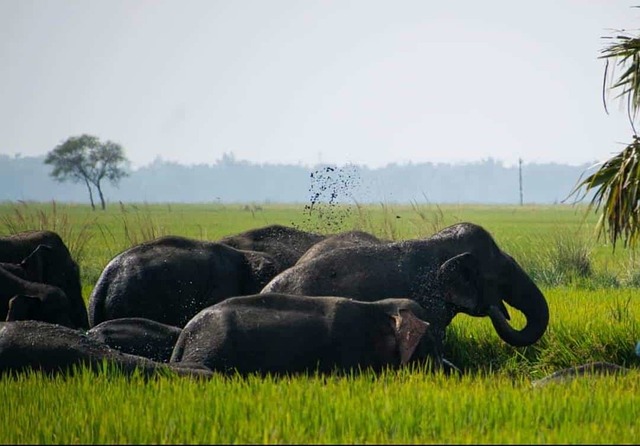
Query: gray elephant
{"points": [[170, 279], [281, 334], [285, 244], [25, 296], [31, 268], [138, 336], [22, 299], [417, 269], [54, 349], [57, 267]]}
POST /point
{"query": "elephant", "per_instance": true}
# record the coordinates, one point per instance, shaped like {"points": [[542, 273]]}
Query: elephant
{"points": [[54, 349], [340, 240], [30, 268], [417, 269], [171, 278], [57, 268], [22, 299], [279, 334], [284, 243], [138, 336], [570, 373]]}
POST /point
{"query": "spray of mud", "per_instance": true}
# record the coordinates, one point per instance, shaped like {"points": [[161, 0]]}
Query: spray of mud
{"points": [[331, 200]]}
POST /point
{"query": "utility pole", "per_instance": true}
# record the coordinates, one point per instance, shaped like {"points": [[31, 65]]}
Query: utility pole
{"points": [[520, 175]]}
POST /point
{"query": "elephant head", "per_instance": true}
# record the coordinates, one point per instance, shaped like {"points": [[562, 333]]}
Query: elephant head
{"points": [[473, 290], [497, 278]]}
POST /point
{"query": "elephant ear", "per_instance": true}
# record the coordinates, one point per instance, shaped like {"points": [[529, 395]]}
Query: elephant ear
{"points": [[22, 307], [34, 263], [460, 280], [409, 331]]}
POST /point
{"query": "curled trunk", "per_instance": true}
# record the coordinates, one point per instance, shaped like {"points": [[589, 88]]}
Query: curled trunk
{"points": [[524, 295]]}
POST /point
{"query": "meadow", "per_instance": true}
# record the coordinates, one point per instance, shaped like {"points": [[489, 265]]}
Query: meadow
{"points": [[592, 292]]}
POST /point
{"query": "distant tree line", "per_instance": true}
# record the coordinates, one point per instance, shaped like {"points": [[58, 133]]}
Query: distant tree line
{"points": [[229, 180]]}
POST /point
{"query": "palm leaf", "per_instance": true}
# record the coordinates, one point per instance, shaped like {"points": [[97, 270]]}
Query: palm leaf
{"points": [[616, 182], [617, 196], [625, 51]]}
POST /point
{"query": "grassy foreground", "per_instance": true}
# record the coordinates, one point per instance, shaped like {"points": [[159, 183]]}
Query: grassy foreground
{"points": [[595, 316], [402, 407]]}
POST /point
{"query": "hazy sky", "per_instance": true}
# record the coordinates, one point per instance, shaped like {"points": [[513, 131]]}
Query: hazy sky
{"points": [[367, 82]]}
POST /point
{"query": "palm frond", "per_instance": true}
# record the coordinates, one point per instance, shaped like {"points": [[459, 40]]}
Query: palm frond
{"points": [[617, 196], [625, 50]]}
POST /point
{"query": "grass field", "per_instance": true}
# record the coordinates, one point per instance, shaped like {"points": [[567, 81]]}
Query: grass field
{"points": [[595, 316]]}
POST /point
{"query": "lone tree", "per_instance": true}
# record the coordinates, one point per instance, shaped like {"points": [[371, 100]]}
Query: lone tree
{"points": [[617, 180], [85, 159]]}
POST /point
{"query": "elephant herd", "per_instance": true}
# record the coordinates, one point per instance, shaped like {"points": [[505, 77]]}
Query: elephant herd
{"points": [[269, 300]]}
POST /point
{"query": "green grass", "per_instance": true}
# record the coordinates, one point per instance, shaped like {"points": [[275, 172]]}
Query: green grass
{"points": [[395, 407], [595, 316]]}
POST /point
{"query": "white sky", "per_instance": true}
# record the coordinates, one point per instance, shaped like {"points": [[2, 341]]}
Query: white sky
{"points": [[288, 81]]}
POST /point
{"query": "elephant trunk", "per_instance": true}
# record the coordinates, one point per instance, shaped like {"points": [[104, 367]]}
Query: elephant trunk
{"points": [[525, 296]]}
